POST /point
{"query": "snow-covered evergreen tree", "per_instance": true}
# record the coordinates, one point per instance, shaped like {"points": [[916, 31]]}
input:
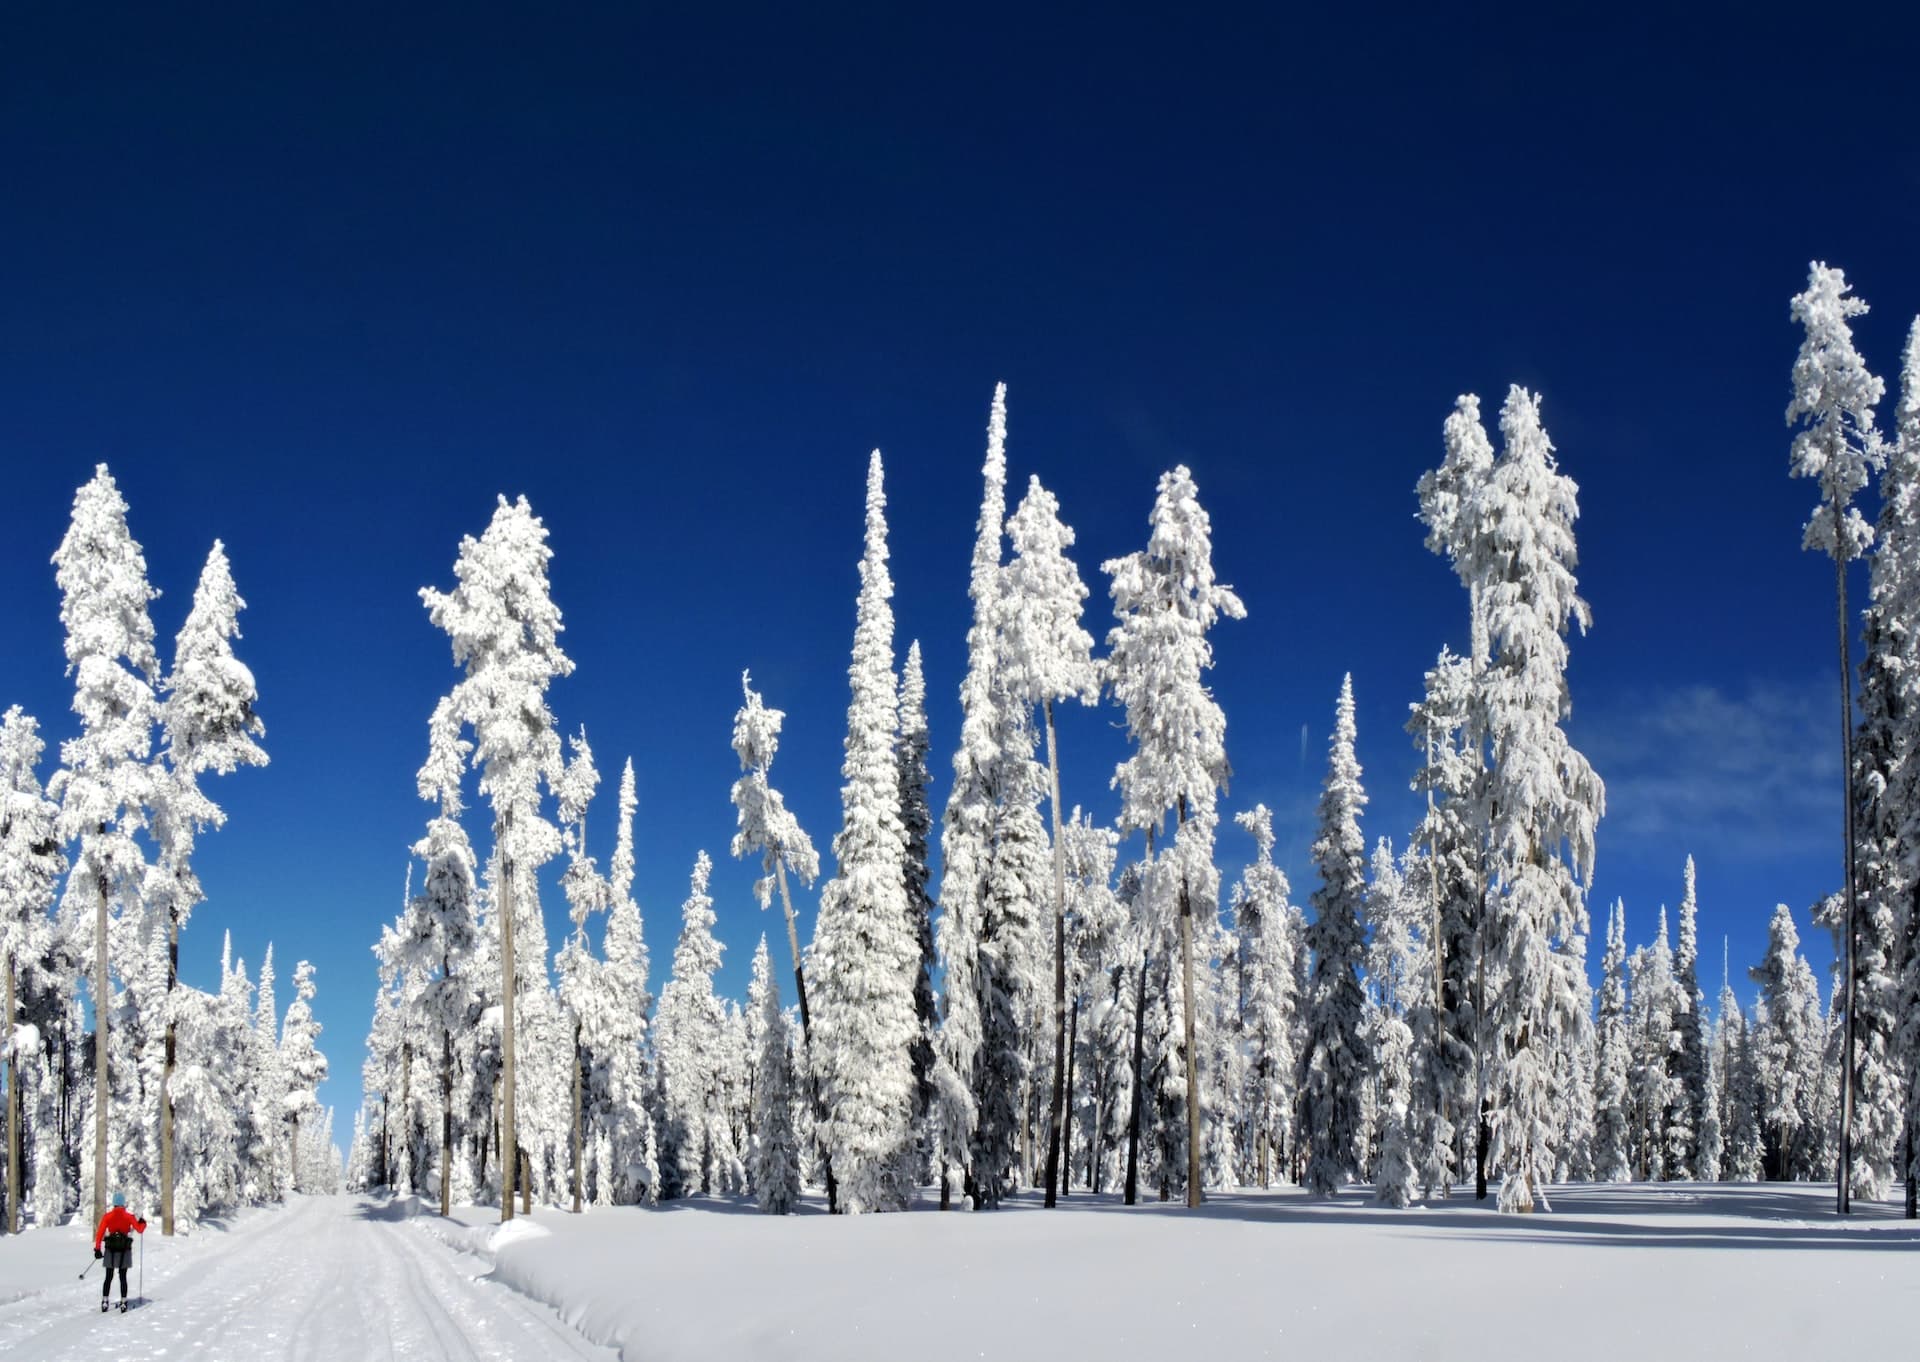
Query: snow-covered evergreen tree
{"points": [[767, 826], [505, 631], [687, 1039], [776, 1154], [30, 867], [1613, 1131], [916, 821], [1652, 1011], [1544, 795], [1786, 1039], [1049, 657], [1835, 443], [1165, 599], [210, 725], [105, 787], [1687, 1106], [1270, 1005], [864, 948], [631, 1167], [1741, 1103], [302, 1067], [1333, 1065], [967, 828]]}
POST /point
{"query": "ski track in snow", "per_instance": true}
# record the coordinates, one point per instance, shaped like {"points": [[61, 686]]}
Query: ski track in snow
{"points": [[330, 1278]]}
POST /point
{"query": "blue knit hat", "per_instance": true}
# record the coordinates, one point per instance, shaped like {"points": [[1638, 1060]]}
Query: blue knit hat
{"points": [[120, 1199]]}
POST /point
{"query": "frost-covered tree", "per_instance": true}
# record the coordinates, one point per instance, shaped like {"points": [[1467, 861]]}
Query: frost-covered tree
{"points": [[1787, 1037], [863, 945], [1652, 1010], [1741, 1102], [1049, 657], [776, 1155], [1835, 443], [1333, 1065], [209, 724], [1613, 1132], [302, 1066], [768, 827], [916, 821], [581, 991], [505, 631], [1443, 1014], [688, 1036], [1543, 795], [1165, 599], [105, 787], [30, 866], [631, 1167], [967, 827], [1269, 947], [1686, 1110]]}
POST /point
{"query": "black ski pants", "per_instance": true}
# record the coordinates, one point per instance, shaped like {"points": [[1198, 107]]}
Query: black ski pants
{"points": [[122, 1259]]}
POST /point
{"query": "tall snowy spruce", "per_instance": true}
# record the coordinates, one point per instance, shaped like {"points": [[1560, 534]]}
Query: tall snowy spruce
{"points": [[505, 631], [30, 867], [1269, 950], [695, 1155], [1165, 599], [1612, 1136], [967, 830], [1333, 1064], [776, 1153], [209, 725], [1833, 400], [1687, 1110], [1455, 506], [302, 1067], [630, 1166], [105, 787], [1049, 657], [1890, 790], [916, 821], [765, 825], [1786, 1039], [864, 950], [1543, 795]]}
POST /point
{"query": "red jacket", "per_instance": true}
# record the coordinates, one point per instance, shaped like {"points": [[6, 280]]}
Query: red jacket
{"points": [[118, 1220]]}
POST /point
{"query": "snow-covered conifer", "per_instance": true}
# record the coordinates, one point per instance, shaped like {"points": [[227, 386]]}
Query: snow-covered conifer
{"points": [[505, 631], [1049, 657], [687, 1038], [916, 821], [1686, 1108], [1835, 443], [1165, 599], [30, 866], [302, 1066], [1787, 1038], [864, 946], [631, 1141], [1333, 1066], [1270, 1006], [1613, 1136], [776, 1155], [1544, 795], [104, 787], [1652, 1012]]}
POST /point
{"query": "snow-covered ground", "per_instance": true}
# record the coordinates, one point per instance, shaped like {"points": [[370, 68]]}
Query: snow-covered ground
{"points": [[1672, 1271]]}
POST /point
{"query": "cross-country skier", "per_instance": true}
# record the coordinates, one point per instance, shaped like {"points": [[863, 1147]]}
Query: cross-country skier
{"points": [[117, 1227]]}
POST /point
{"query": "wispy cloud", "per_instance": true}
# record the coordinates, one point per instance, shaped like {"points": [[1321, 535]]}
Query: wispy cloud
{"points": [[1754, 771]]}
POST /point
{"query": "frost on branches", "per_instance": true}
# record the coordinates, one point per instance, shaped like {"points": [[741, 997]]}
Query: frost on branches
{"points": [[864, 951]]}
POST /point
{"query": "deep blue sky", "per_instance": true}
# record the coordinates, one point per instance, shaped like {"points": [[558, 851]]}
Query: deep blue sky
{"points": [[323, 286]]}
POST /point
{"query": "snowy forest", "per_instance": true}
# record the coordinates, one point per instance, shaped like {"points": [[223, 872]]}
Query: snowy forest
{"points": [[1015, 997]]}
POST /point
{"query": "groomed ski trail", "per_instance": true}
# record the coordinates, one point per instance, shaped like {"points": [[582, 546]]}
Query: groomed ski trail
{"points": [[329, 1279]]}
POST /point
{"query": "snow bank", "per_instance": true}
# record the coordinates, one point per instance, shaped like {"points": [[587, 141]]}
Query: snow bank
{"points": [[1670, 1271]]}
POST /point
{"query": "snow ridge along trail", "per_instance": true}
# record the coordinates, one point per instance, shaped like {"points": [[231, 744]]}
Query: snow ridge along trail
{"points": [[328, 1279]]}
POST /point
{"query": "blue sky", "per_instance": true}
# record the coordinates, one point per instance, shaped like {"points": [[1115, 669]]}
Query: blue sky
{"points": [[323, 286]]}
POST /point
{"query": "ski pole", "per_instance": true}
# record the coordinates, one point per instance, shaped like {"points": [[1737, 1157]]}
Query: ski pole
{"points": [[143, 1268], [88, 1268]]}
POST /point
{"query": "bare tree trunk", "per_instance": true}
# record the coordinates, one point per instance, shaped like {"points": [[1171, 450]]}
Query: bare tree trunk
{"points": [[446, 1120], [1845, 1197], [1066, 1137], [509, 1142], [806, 1036], [166, 1079], [293, 1151], [1059, 962], [1192, 1060], [406, 1118], [576, 1118], [13, 1109], [100, 985], [526, 1184], [1139, 1054]]}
